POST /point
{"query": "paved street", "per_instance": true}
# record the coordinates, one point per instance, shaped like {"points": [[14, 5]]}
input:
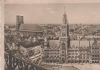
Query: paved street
{"points": [[85, 66], [79, 66]]}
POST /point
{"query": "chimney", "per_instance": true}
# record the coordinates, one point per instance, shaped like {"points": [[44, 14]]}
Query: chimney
{"points": [[19, 21]]}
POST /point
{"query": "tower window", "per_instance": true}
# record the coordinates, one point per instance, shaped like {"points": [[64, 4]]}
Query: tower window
{"points": [[63, 46]]}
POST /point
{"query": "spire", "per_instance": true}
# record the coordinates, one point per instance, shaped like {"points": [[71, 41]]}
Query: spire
{"points": [[66, 21], [65, 16]]}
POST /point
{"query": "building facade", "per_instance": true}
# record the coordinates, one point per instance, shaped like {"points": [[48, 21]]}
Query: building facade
{"points": [[84, 55], [83, 49], [52, 52], [73, 55], [79, 51], [95, 52]]}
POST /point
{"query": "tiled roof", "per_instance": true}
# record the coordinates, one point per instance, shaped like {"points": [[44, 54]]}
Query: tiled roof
{"points": [[54, 44], [31, 28], [81, 43], [27, 44]]}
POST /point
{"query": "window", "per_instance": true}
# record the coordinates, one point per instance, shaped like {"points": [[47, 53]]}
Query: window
{"points": [[63, 46]]}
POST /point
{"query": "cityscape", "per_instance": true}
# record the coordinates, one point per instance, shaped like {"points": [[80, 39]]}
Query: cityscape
{"points": [[50, 46], [53, 43]]}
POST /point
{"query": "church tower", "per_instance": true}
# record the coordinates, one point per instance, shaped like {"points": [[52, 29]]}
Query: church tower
{"points": [[19, 21], [64, 39]]}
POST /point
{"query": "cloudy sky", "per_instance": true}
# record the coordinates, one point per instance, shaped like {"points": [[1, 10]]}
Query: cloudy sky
{"points": [[53, 13]]}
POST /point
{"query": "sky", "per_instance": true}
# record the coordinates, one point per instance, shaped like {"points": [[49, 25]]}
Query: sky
{"points": [[49, 1], [52, 13]]}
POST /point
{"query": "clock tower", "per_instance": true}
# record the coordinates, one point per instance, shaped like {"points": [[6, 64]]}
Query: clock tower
{"points": [[64, 39]]}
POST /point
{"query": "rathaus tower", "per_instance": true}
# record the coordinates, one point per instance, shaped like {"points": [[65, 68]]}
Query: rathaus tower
{"points": [[64, 40]]}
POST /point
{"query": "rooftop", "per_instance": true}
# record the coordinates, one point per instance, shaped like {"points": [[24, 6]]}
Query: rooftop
{"points": [[81, 43], [54, 44], [28, 44], [31, 28]]}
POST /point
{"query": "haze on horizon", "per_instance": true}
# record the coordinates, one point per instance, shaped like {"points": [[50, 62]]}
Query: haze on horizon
{"points": [[53, 13]]}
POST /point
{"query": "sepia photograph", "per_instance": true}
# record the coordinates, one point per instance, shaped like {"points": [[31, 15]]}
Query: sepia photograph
{"points": [[53, 36]]}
